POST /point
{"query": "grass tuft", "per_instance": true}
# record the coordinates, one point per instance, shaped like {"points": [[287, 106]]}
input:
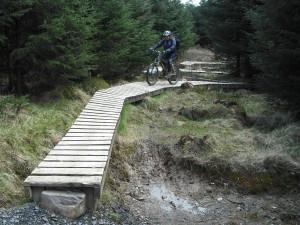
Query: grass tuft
{"points": [[233, 131]]}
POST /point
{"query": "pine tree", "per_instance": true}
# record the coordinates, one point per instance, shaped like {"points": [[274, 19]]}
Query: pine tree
{"points": [[13, 36], [174, 16], [121, 40], [276, 45], [226, 25], [46, 41]]}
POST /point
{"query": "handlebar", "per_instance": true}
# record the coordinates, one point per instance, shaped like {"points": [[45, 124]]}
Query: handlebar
{"points": [[156, 51]]}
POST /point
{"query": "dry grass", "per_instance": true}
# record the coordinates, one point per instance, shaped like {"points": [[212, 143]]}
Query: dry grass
{"points": [[29, 129], [242, 130]]}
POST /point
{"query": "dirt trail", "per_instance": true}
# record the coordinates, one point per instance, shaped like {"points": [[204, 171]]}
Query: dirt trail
{"points": [[167, 194]]}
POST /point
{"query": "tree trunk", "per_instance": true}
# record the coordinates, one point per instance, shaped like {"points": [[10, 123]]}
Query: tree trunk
{"points": [[248, 68], [18, 77], [237, 72], [20, 84]]}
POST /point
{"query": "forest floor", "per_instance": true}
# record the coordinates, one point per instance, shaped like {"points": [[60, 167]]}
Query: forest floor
{"points": [[186, 158], [206, 156], [195, 156]]}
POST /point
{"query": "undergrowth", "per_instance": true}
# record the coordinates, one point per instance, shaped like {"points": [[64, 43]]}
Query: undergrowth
{"points": [[241, 130]]}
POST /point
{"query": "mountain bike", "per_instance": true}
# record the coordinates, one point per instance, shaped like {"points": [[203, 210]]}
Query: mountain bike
{"points": [[159, 69]]}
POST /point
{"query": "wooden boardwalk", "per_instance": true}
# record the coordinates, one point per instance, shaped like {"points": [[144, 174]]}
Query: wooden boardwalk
{"points": [[80, 160]]}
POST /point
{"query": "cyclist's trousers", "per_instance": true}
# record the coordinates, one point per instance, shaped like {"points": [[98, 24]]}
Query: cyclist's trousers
{"points": [[168, 60]]}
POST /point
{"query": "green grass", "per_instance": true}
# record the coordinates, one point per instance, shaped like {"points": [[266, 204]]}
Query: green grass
{"points": [[122, 128], [28, 130], [158, 117], [229, 141]]}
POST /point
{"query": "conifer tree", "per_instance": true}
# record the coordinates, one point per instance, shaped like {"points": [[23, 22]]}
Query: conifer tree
{"points": [[276, 46], [121, 41], [226, 25], [174, 16], [46, 41]]}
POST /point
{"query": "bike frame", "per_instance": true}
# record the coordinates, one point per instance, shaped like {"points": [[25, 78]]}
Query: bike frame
{"points": [[161, 69], [158, 61]]}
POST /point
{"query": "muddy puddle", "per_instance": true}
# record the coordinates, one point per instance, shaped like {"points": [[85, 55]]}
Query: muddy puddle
{"points": [[169, 201]]}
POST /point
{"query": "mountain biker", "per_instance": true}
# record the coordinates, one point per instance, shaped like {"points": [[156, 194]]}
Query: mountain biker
{"points": [[168, 42]]}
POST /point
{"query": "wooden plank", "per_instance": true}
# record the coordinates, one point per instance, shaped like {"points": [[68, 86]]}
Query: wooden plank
{"points": [[82, 147], [45, 164], [88, 138], [94, 110], [102, 129], [76, 158], [104, 104], [63, 181], [80, 152], [95, 134], [76, 130], [103, 109], [106, 93], [95, 123], [68, 171], [108, 97], [106, 101], [111, 98], [97, 120], [93, 127], [105, 97], [98, 117], [85, 142], [99, 114], [89, 112]]}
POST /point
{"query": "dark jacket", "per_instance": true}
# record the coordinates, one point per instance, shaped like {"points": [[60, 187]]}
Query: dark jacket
{"points": [[168, 45]]}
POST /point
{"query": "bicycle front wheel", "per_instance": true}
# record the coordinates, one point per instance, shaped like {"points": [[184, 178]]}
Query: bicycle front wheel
{"points": [[152, 74], [173, 77]]}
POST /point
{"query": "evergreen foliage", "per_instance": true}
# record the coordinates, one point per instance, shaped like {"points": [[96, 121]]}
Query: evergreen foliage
{"points": [[46, 43], [171, 15], [276, 45], [226, 25], [122, 40], [263, 36]]}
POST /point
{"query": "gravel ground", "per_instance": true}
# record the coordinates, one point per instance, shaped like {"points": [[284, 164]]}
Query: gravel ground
{"points": [[30, 214]]}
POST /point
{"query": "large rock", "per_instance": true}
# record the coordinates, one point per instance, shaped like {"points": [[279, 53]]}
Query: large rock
{"points": [[68, 204], [187, 85]]}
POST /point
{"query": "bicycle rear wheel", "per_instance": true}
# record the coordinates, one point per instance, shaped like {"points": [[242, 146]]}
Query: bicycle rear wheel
{"points": [[152, 74], [173, 77]]}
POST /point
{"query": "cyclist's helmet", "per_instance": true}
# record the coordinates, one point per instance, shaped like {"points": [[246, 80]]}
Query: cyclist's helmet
{"points": [[167, 33]]}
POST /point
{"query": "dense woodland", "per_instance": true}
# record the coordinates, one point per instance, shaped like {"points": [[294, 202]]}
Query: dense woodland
{"points": [[45, 43], [260, 37]]}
